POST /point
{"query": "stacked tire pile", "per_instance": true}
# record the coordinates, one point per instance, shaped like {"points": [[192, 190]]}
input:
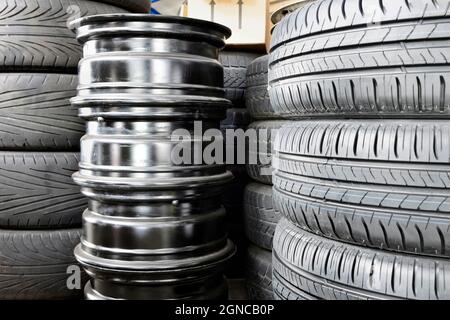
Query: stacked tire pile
{"points": [[233, 193], [155, 226], [235, 65], [362, 177], [40, 206], [260, 215]]}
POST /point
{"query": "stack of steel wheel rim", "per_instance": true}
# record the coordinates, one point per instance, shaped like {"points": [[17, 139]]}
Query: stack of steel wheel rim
{"points": [[154, 228]]}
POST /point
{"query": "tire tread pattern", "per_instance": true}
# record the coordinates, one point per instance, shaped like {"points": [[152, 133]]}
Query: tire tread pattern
{"points": [[35, 112], [349, 58], [235, 65], [259, 273], [42, 40], [257, 97], [351, 181], [332, 270], [38, 192], [33, 264], [260, 216]]}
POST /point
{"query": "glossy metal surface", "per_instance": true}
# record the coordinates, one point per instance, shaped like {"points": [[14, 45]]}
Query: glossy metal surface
{"points": [[214, 288], [154, 229], [150, 66]]}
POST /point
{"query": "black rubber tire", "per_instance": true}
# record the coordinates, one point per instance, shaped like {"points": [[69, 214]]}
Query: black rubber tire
{"points": [[257, 94], [234, 268], [345, 58], [237, 118], [135, 6], [261, 149], [284, 291], [38, 192], [35, 112], [34, 264], [235, 65], [259, 273], [34, 34], [260, 216], [233, 194], [379, 184], [331, 270]]}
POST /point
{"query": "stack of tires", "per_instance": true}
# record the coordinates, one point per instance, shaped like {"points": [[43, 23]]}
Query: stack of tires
{"points": [[260, 215], [362, 177], [233, 193], [235, 65], [40, 206]]}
